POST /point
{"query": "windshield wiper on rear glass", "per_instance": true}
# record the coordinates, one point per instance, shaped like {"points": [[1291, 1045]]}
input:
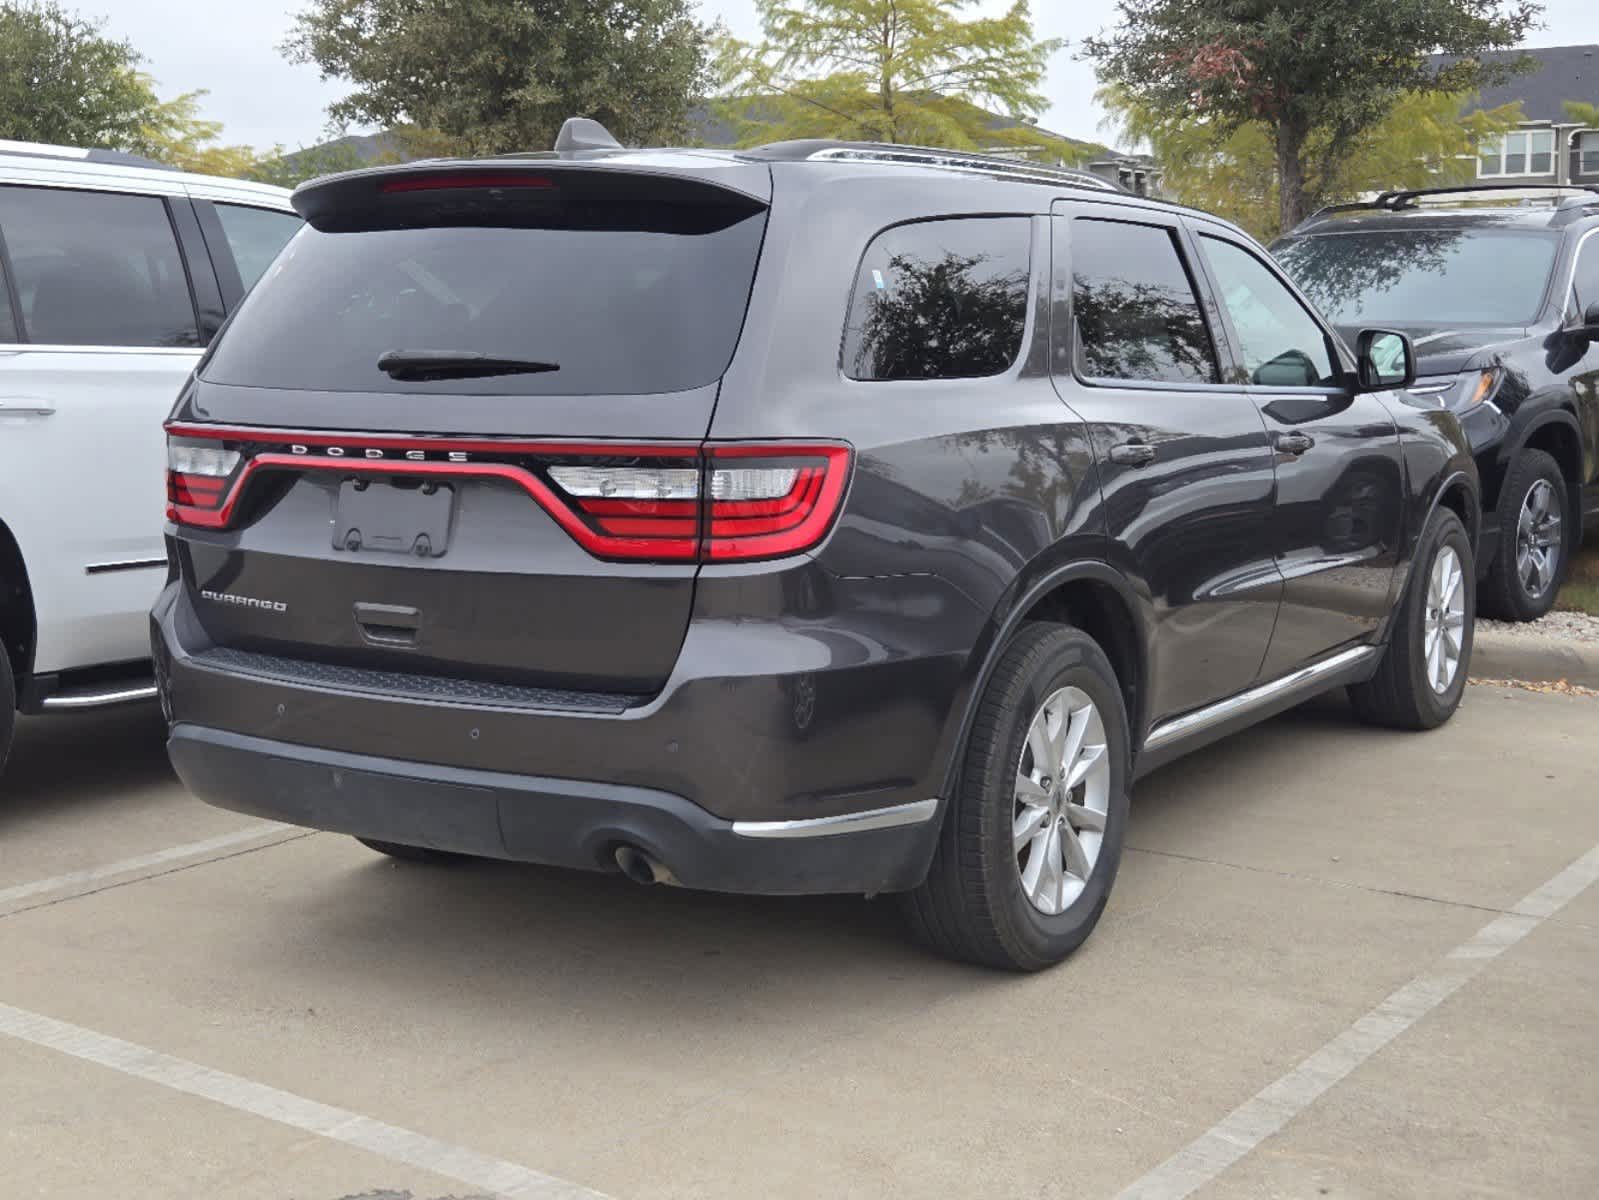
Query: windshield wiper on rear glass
{"points": [[421, 366]]}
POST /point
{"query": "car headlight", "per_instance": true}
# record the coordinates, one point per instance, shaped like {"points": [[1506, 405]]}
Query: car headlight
{"points": [[1458, 393]]}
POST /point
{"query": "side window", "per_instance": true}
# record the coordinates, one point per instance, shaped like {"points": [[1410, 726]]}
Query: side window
{"points": [[940, 300], [1136, 312], [1585, 283], [255, 235], [96, 269], [1281, 344], [8, 324]]}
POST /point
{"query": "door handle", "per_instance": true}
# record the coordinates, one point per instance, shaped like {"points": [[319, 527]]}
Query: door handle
{"points": [[24, 406], [1132, 454], [1292, 443]]}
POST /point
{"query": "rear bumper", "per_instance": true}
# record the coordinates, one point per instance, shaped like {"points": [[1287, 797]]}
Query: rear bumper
{"points": [[558, 822]]}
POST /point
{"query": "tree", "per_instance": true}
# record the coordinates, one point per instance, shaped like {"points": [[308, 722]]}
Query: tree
{"points": [[1426, 140], [63, 81], [1586, 114], [495, 76], [287, 169], [886, 70], [1318, 77]]}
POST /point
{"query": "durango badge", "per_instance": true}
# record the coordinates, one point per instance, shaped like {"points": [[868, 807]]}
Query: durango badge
{"points": [[245, 601]]}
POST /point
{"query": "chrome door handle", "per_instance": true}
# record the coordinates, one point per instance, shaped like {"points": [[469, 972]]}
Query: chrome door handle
{"points": [[1132, 454], [23, 406], [1293, 443]]}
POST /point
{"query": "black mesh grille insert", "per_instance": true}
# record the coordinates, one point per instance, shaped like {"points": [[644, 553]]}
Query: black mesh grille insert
{"points": [[408, 684]]}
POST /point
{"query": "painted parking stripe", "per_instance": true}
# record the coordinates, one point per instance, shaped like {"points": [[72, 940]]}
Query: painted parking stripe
{"points": [[143, 862], [492, 1175], [1258, 1118]]}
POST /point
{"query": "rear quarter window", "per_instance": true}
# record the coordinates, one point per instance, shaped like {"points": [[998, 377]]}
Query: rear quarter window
{"points": [[940, 299]]}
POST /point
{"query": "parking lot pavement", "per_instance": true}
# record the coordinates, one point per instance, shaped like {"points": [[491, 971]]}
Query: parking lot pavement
{"points": [[289, 1016]]}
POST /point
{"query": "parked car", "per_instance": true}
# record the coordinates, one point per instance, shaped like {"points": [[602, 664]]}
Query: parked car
{"points": [[1503, 304], [819, 518], [114, 273]]}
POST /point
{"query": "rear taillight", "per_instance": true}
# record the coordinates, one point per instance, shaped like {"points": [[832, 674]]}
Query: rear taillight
{"points": [[198, 473], [716, 502]]}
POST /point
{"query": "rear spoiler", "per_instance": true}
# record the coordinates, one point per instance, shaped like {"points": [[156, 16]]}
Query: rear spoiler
{"points": [[533, 190]]}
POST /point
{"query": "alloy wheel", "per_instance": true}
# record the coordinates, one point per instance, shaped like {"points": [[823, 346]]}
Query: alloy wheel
{"points": [[1444, 622], [1062, 799], [1538, 538]]}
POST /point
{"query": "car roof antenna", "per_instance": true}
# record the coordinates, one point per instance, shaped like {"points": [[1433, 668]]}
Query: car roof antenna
{"points": [[583, 133]]}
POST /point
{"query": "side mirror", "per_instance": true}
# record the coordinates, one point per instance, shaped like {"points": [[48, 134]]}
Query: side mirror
{"points": [[1590, 321], [1387, 360]]}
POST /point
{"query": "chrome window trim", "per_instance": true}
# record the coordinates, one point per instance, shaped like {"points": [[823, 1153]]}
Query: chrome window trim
{"points": [[915, 813], [1302, 679]]}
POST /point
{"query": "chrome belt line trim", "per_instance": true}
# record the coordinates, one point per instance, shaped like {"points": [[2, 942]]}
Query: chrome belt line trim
{"points": [[130, 564], [913, 813], [130, 695], [1303, 678]]}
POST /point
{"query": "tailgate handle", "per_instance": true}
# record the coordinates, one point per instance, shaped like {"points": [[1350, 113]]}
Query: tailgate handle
{"points": [[388, 624]]}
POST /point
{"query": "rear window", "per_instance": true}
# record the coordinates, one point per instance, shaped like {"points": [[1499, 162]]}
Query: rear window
{"points": [[606, 299]]}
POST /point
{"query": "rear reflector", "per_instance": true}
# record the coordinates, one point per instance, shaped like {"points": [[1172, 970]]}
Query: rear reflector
{"points": [[660, 502]]}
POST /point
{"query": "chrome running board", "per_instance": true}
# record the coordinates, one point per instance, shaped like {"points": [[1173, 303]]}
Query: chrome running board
{"points": [[66, 701], [913, 813], [1303, 680]]}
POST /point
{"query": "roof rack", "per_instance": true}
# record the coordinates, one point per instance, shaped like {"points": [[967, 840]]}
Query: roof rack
{"points": [[1400, 199], [119, 158], [929, 156]]}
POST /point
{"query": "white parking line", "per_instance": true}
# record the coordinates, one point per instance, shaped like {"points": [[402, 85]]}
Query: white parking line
{"points": [[493, 1175], [1258, 1118], [142, 862]]}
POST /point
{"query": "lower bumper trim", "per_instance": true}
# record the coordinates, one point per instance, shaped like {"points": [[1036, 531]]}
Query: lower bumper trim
{"points": [[913, 813]]}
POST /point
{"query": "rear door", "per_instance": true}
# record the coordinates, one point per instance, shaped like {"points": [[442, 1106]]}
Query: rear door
{"points": [[1184, 461], [468, 411], [105, 331], [1336, 530]]}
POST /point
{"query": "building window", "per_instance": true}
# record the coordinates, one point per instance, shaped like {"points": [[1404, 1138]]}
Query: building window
{"points": [[1588, 154], [1529, 152]]}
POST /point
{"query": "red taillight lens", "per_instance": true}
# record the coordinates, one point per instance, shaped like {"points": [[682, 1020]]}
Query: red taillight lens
{"points": [[198, 473], [770, 501], [655, 502]]}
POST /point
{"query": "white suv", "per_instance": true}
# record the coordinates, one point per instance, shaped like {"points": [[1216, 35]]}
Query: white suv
{"points": [[114, 274]]}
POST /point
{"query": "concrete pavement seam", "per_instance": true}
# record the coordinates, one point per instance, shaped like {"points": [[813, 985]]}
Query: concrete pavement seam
{"points": [[1279, 1102]]}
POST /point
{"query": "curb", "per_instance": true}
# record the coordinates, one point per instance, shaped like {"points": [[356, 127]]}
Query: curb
{"points": [[1533, 659]]}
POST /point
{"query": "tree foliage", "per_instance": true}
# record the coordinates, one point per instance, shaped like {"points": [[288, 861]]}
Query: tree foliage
{"points": [[1427, 139], [286, 168], [1586, 114], [1317, 78], [494, 76], [914, 71], [63, 81]]}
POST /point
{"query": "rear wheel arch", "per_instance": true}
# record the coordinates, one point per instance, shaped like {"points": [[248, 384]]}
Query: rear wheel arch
{"points": [[1092, 596], [18, 621]]}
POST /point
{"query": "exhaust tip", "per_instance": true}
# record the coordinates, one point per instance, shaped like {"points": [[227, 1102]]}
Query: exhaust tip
{"points": [[635, 865]]}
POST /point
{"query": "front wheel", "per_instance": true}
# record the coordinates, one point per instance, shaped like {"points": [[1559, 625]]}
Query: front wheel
{"points": [[1531, 563], [1033, 834], [1423, 672], [8, 705]]}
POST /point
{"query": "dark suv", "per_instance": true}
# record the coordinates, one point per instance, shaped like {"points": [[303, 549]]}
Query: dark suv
{"points": [[820, 518], [1503, 303]]}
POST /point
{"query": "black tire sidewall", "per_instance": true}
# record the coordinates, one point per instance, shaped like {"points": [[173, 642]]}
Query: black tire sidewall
{"points": [[1511, 598], [8, 706], [1071, 659], [1445, 529]]}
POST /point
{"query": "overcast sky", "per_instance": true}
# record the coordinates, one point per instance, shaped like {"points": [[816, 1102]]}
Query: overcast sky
{"points": [[230, 49]]}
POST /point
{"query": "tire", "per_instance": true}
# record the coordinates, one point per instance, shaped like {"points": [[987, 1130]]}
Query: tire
{"points": [[8, 706], [414, 854], [974, 905], [1403, 693], [1505, 594]]}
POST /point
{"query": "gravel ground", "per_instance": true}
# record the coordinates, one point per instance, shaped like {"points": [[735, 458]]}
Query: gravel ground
{"points": [[1557, 626]]}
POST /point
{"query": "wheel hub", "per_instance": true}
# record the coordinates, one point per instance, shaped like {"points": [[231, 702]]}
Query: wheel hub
{"points": [[1444, 620]]}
